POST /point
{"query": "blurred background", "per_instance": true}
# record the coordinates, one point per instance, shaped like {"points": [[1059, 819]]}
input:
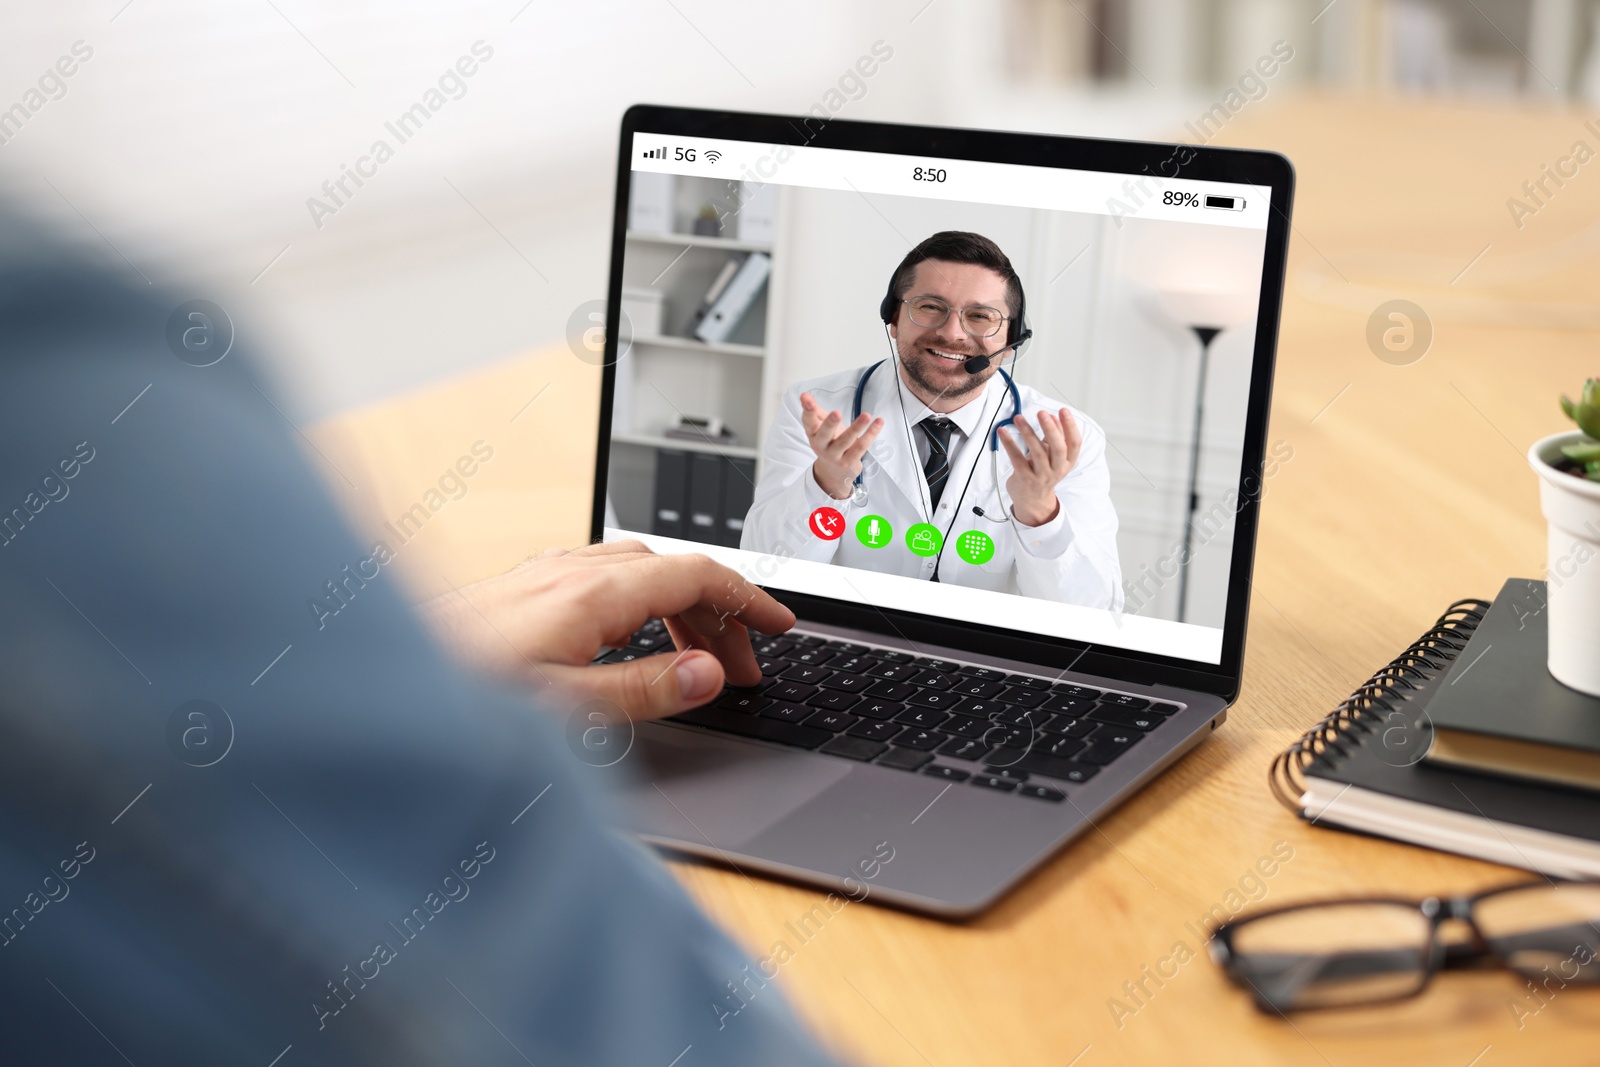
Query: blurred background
{"points": [[201, 148], [188, 145]]}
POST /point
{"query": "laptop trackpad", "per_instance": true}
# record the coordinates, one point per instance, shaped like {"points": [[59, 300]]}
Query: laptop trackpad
{"points": [[703, 787]]}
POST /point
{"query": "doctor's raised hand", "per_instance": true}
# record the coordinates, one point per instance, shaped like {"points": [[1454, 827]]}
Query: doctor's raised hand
{"points": [[839, 447], [1052, 454]]}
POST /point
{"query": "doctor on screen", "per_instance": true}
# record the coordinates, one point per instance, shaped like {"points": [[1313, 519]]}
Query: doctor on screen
{"points": [[933, 463]]}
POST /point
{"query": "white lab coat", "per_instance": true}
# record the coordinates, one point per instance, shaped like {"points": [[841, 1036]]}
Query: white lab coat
{"points": [[1071, 559]]}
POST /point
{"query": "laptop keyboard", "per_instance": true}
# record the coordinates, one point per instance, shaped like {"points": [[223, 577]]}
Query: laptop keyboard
{"points": [[956, 721]]}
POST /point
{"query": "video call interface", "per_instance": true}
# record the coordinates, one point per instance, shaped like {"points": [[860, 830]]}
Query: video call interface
{"points": [[958, 388]]}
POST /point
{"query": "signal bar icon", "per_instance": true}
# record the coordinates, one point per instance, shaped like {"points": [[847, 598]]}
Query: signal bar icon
{"points": [[656, 153]]}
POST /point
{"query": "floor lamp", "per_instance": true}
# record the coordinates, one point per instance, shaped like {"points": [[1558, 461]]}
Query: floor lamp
{"points": [[1205, 314], [1206, 334]]}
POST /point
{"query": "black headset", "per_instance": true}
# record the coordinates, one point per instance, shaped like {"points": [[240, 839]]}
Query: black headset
{"points": [[1017, 331]]}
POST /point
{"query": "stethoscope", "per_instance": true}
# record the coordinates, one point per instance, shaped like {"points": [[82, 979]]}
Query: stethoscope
{"points": [[858, 490]]}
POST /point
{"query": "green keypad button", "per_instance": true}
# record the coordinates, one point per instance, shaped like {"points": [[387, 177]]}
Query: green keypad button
{"points": [[975, 547]]}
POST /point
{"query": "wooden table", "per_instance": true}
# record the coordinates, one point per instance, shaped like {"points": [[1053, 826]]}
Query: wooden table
{"points": [[1407, 489]]}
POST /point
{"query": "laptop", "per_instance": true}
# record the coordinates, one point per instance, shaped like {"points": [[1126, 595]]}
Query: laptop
{"points": [[1005, 630]]}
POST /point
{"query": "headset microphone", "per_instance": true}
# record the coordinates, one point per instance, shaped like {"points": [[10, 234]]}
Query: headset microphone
{"points": [[978, 364]]}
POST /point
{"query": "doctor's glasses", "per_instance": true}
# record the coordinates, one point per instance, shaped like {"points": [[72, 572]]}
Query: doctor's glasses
{"points": [[930, 313]]}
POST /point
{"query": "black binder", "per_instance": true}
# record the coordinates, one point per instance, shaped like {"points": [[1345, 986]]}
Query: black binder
{"points": [[1361, 768], [704, 516], [672, 491], [738, 493]]}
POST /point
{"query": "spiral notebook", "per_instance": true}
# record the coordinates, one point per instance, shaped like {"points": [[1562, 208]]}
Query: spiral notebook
{"points": [[1360, 768]]}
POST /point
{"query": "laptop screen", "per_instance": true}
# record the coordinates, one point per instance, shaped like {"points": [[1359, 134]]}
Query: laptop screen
{"points": [[985, 392]]}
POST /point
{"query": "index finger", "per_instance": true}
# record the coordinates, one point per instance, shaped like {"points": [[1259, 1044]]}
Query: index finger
{"points": [[1037, 449], [721, 620], [1019, 461], [651, 586], [810, 415], [624, 547]]}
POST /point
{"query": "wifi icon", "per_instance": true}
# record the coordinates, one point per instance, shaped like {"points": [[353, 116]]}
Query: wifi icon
{"points": [[713, 155]]}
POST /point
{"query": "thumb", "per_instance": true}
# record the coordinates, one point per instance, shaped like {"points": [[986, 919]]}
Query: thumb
{"points": [[649, 687]]}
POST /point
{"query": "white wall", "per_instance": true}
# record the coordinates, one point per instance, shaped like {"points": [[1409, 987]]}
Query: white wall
{"points": [[1136, 370], [1101, 342]]}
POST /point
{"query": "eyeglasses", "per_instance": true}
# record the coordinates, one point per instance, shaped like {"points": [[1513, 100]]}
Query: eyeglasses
{"points": [[1343, 953], [931, 313]]}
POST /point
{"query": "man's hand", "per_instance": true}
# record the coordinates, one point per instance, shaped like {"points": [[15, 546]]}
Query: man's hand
{"points": [[545, 620], [839, 448], [1051, 456]]}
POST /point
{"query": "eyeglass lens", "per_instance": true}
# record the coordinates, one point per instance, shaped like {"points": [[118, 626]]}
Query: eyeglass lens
{"points": [[1545, 926], [931, 313], [1334, 954]]}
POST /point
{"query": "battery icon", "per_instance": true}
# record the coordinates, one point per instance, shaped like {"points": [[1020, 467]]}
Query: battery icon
{"points": [[1226, 203]]}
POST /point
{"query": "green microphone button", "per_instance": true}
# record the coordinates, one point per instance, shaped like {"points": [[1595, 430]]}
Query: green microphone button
{"points": [[874, 531]]}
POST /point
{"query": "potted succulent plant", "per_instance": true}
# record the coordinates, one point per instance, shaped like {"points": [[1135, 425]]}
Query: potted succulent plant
{"points": [[1568, 465]]}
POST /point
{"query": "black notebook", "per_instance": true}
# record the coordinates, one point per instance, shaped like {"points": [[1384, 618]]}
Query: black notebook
{"points": [[1500, 710], [1360, 768]]}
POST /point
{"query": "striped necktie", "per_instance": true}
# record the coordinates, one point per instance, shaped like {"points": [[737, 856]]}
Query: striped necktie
{"points": [[937, 428]]}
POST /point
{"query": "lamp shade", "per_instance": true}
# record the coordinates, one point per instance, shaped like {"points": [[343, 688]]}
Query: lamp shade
{"points": [[1205, 307]]}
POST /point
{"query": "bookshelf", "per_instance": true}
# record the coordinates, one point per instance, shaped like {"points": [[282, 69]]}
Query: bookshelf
{"points": [[695, 240], [694, 344], [667, 373], [685, 445]]}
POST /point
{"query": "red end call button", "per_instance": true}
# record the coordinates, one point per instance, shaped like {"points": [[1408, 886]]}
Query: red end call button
{"points": [[827, 524]]}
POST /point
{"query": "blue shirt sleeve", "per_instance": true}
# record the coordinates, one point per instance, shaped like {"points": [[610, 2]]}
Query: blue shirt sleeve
{"points": [[356, 853]]}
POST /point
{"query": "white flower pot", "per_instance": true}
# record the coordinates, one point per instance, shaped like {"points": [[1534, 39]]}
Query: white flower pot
{"points": [[1572, 508]]}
